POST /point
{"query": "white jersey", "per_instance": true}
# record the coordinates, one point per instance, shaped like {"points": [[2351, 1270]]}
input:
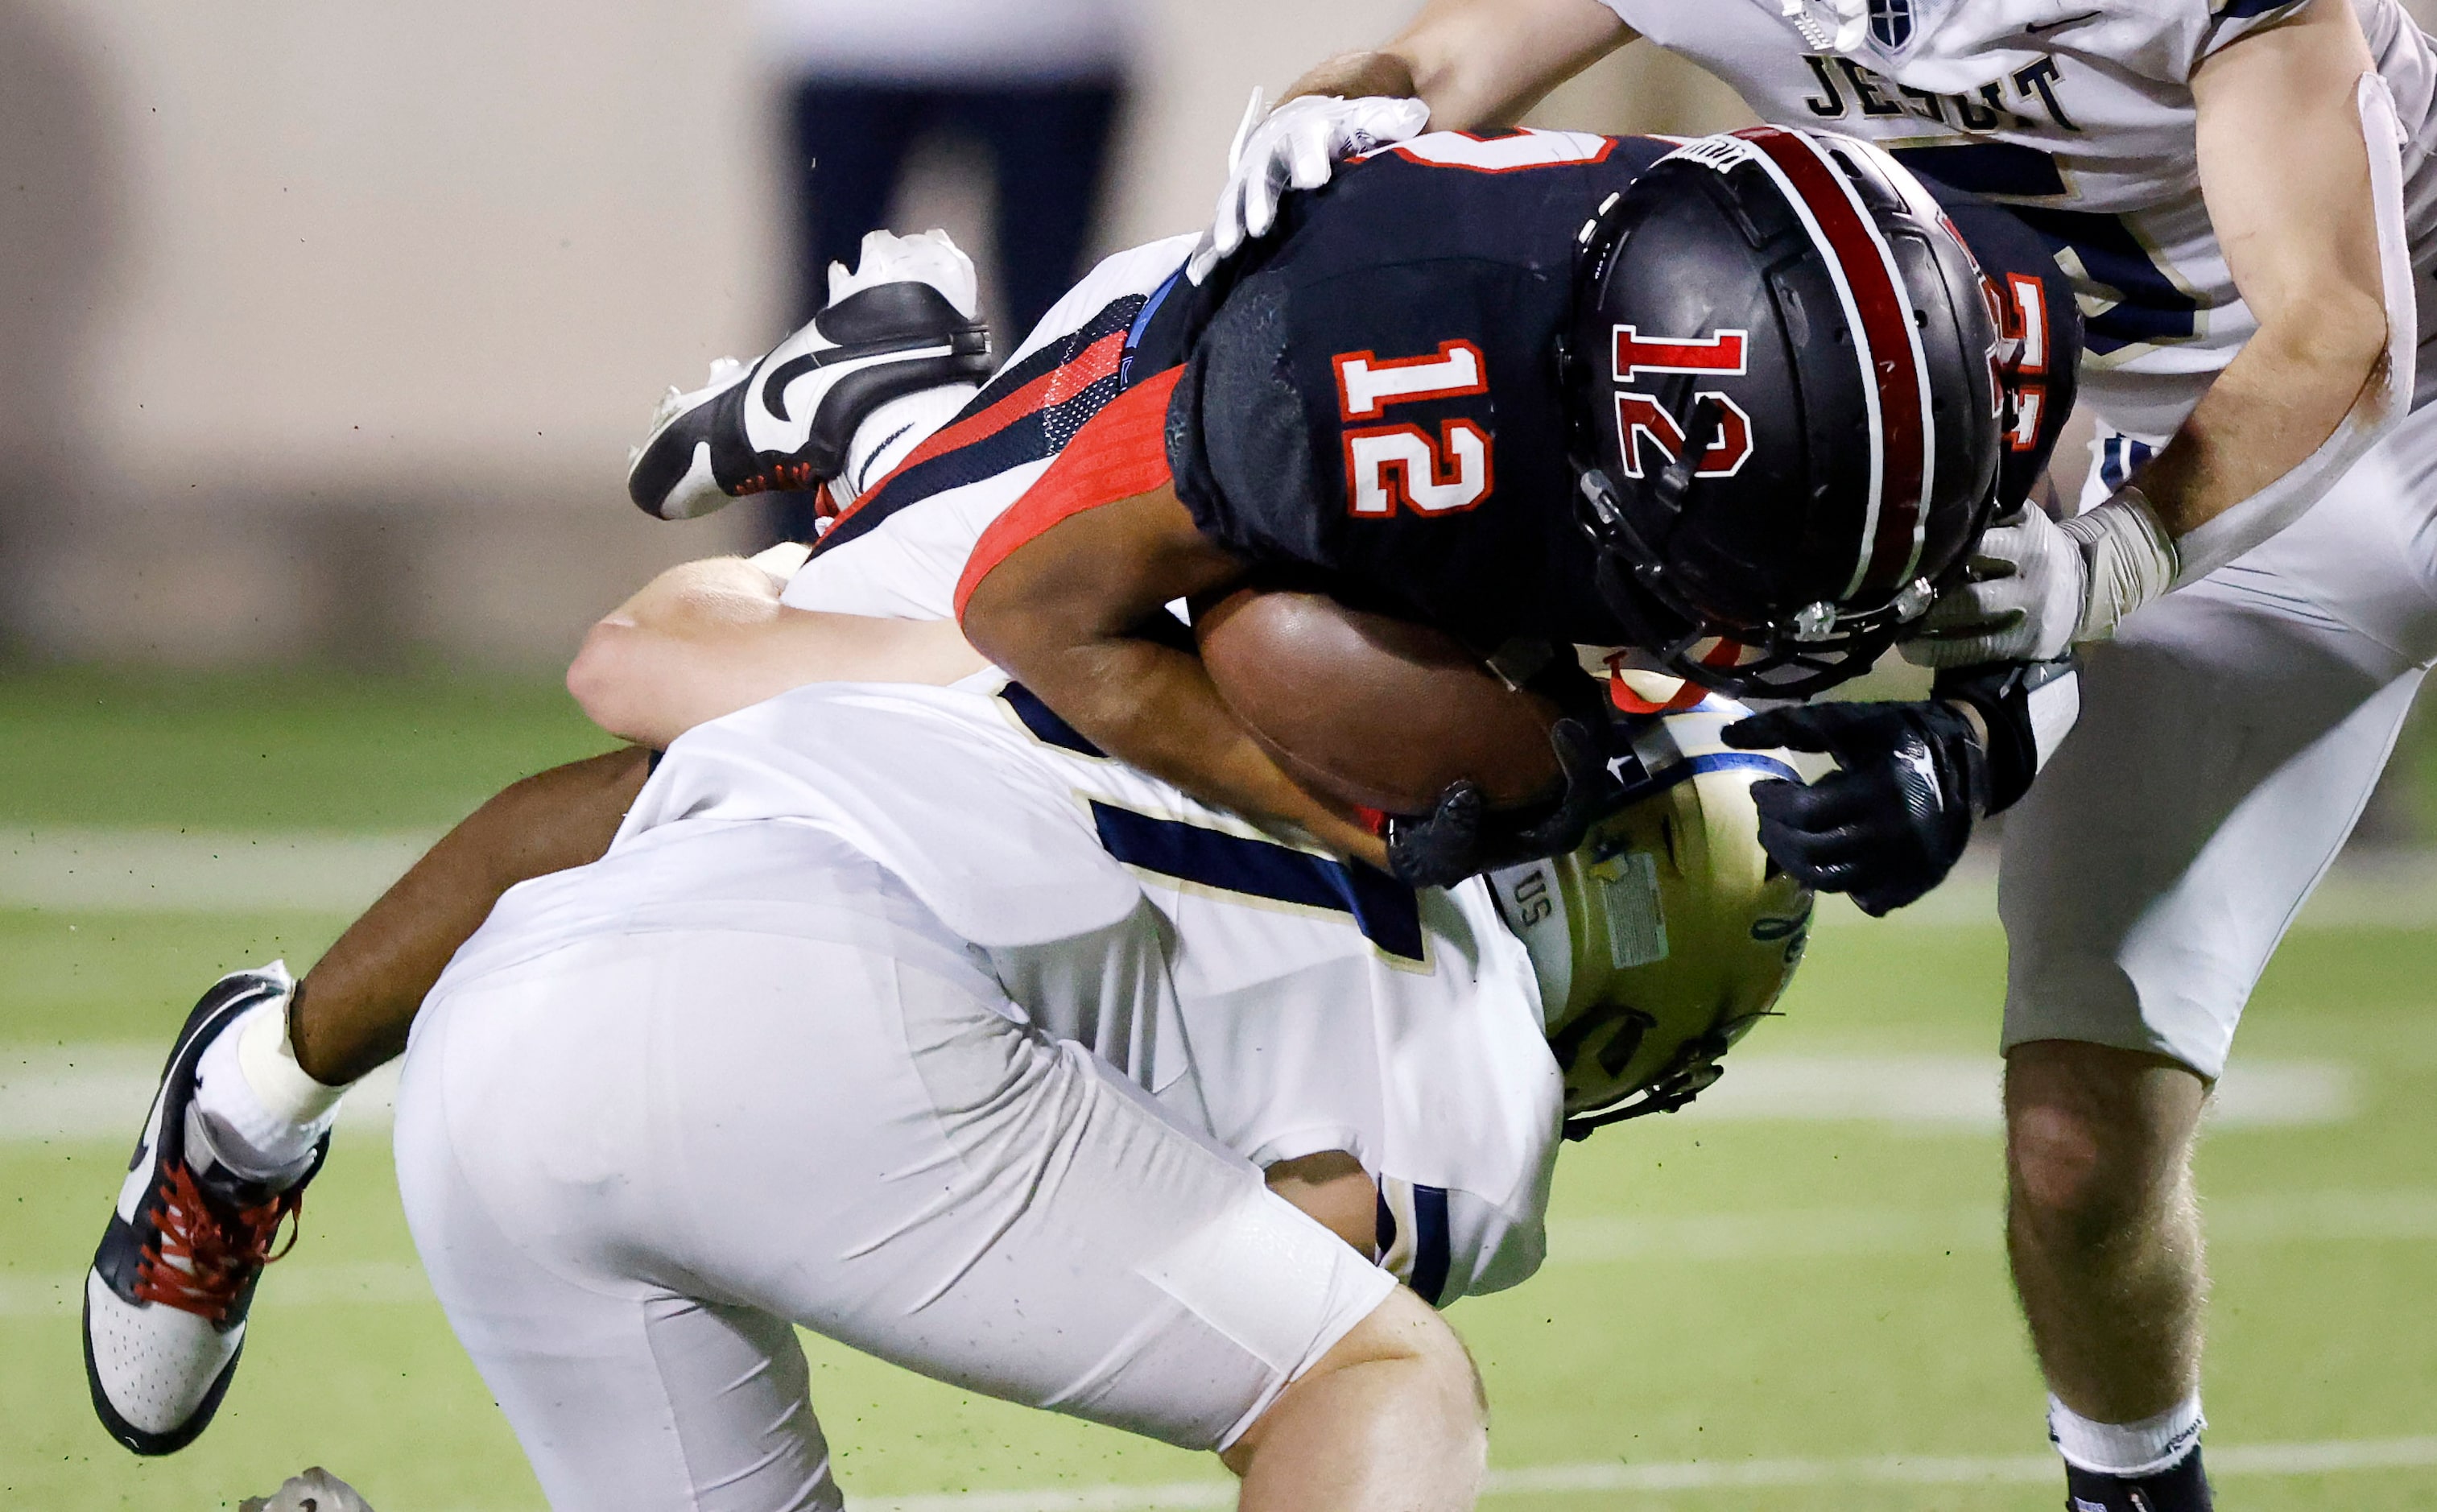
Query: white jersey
{"points": [[2075, 114], [1263, 991]]}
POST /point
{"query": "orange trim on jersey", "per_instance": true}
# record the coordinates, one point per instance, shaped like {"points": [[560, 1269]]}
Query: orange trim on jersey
{"points": [[1100, 355], [1120, 453]]}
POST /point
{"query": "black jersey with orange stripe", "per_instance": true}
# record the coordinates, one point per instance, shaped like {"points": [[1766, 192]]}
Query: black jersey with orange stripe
{"points": [[1371, 403]]}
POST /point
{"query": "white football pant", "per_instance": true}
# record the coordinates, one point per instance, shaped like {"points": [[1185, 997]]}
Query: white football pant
{"points": [[2230, 735], [633, 1158]]}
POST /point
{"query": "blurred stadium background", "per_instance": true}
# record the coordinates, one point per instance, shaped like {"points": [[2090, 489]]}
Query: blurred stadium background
{"points": [[323, 333]]}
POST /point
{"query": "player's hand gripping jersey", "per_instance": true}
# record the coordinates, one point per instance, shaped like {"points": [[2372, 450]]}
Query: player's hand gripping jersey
{"points": [[1367, 401], [2078, 116]]}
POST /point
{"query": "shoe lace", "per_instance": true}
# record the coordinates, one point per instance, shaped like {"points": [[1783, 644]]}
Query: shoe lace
{"points": [[205, 1251]]}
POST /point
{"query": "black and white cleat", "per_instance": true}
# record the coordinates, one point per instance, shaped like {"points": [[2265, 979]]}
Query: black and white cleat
{"points": [[905, 320], [166, 1301]]}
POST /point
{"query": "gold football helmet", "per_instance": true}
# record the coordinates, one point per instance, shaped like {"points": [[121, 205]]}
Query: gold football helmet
{"points": [[1669, 933]]}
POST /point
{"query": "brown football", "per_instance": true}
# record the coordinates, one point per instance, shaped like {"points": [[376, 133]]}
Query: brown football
{"points": [[1370, 709]]}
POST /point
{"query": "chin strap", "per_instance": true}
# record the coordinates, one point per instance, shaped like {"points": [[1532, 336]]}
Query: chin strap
{"points": [[1695, 1070]]}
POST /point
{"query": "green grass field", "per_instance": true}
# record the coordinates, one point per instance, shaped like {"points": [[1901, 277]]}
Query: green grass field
{"points": [[1741, 1312]]}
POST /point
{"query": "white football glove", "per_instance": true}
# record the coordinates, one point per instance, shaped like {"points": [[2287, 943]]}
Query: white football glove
{"points": [[2038, 587], [1295, 146]]}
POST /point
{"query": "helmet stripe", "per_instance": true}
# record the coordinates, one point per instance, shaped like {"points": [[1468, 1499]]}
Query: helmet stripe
{"points": [[1895, 371]]}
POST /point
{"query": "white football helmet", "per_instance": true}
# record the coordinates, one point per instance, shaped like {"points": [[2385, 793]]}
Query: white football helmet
{"points": [[1669, 933]]}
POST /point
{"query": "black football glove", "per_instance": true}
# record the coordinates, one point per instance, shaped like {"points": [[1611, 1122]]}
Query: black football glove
{"points": [[1889, 824], [1461, 835]]}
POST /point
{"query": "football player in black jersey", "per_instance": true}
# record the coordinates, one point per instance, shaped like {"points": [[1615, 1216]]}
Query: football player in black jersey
{"points": [[1735, 405], [1739, 409]]}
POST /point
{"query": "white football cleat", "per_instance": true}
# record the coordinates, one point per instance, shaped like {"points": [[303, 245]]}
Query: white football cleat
{"points": [[316, 1491], [905, 320], [166, 1301]]}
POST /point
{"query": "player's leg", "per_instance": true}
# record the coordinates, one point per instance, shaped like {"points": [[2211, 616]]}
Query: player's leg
{"points": [[1391, 1416], [2102, 1226], [673, 1129], [621, 1393], [351, 1011], [257, 1071], [900, 548], [2229, 738], [243, 1112]]}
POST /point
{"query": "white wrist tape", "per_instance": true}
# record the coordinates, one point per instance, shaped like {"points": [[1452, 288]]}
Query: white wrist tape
{"points": [[267, 1062], [2384, 399], [2126, 557]]}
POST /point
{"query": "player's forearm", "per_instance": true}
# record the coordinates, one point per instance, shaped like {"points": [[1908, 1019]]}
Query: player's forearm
{"points": [[1060, 612], [1154, 707], [707, 638], [354, 1006], [631, 675], [650, 685], [1358, 76], [2296, 151], [1478, 63], [2275, 404]]}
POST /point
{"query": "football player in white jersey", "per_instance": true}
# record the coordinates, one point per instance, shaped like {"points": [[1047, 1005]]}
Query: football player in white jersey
{"points": [[895, 1012], [2244, 194]]}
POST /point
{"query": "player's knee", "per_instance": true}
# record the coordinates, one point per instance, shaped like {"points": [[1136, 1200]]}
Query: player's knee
{"points": [[1406, 1367], [2096, 1139], [1437, 1375]]}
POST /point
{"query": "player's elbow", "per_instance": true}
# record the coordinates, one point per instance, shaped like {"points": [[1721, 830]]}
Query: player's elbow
{"points": [[2339, 339], [1004, 623], [610, 682], [2350, 330]]}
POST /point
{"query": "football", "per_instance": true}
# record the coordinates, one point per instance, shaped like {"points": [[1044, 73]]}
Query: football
{"points": [[1373, 710]]}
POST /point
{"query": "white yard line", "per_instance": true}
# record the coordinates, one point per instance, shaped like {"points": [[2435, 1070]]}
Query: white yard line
{"points": [[1963, 1091], [97, 1092], [2406, 1215], [302, 1285], [2366, 890], [182, 871], [58, 868], [2236, 1460]]}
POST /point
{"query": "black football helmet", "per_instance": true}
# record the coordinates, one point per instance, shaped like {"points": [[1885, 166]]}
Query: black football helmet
{"points": [[1786, 419]]}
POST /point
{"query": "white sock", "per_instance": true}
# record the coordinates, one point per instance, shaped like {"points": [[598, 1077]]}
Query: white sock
{"points": [[2128, 1450], [266, 1113], [892, 433]]}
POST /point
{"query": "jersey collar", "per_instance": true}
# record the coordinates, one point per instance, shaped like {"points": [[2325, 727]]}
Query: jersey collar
{"points": [[1940, 46]]}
